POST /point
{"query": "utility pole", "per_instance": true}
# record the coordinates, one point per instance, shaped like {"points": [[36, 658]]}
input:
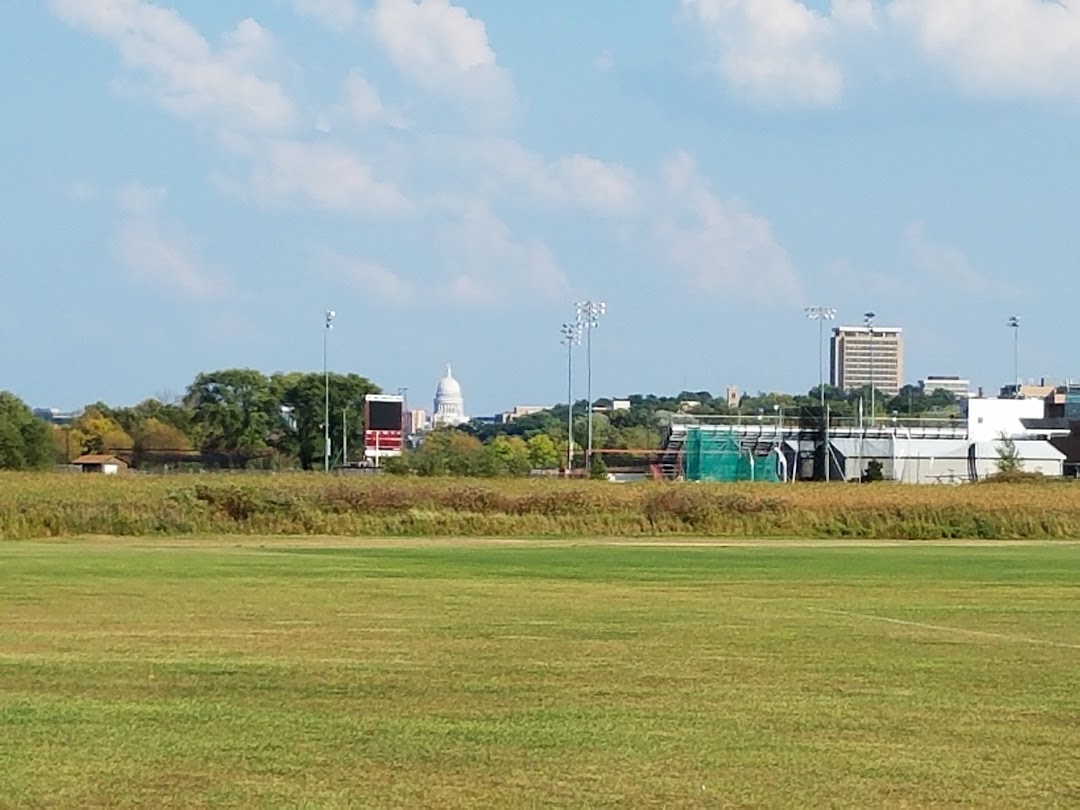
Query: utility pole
{"points": [[588, 318], [868, 319], [1014, 324], [571, 336], [326, 387], [822, 314]]}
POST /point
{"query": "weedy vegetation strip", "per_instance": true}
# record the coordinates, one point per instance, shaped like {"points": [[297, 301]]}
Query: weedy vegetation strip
{"points": [[59, 505]]}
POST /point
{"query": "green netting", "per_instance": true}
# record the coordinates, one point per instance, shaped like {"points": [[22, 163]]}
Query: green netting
{"points": [[719, 456]]}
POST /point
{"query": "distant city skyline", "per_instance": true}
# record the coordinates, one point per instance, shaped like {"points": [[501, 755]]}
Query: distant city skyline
{"points": [[188, 189]]}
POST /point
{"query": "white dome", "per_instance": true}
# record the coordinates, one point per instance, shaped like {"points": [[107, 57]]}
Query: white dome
{"points": [[449, 388], [449, 403]]}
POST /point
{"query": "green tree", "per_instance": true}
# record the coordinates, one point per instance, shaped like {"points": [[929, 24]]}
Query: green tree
{"points": [[506, 456], [875, 471], [25, 440], [304, 395], [234, 411], [448, 452], [543, 452], [598, 468], [1009, 460]]}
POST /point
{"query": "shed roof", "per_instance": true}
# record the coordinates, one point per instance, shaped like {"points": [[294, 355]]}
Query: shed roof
{"points": [[99, 458]]}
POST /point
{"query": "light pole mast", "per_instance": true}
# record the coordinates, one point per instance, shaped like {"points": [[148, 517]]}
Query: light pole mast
{"points": [[822, 314], [571, 336], [1014, 324], [326, 390], [588, 318], [868, 319]]}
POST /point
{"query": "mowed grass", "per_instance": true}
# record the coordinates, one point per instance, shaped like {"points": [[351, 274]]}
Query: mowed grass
{"points": [[329, 673]]}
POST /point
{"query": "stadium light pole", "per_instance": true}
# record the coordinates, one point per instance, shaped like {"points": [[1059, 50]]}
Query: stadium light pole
{"points": [[822, 314], [588, 318], [326, 389], [1014, 324], [868, 319], [571, 336]]}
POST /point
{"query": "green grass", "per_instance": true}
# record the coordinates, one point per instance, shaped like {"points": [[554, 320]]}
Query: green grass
{"points": [[336, 673]]}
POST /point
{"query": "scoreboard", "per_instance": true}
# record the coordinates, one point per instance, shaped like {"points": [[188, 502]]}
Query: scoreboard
{"points": [[384, 425]]}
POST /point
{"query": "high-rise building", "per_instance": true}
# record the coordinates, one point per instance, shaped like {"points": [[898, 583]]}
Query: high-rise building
{"points": [[865, 355]]}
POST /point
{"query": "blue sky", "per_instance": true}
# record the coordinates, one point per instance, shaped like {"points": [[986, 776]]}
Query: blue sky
{"points": [[189, 187]]}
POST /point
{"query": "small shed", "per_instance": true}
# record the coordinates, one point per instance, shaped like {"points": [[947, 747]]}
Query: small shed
{"points": [[103, 464]]}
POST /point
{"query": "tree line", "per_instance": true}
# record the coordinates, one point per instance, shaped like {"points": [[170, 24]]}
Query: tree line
{"points": [[244, 419], [229, 419]]}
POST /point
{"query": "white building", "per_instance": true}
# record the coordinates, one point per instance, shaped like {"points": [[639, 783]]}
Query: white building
{"points": [[449, 403], [416, 421], [522, 410], [988, 419], [959, 387]]}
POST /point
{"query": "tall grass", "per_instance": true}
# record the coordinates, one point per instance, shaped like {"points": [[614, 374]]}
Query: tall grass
{"points": [[57, 505]]}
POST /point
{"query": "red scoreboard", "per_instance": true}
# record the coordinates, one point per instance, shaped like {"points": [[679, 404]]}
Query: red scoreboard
{"points": [[384, 425]]}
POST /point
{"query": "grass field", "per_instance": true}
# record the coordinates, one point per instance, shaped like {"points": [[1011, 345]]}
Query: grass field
{"points": [[325, 672]]}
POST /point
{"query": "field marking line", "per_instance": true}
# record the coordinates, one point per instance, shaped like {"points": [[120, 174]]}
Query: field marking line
{"points": [[946, 629]]}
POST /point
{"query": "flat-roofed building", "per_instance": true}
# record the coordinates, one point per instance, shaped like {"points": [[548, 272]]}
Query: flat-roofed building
{"points": [[864, 355], [959, 387]]}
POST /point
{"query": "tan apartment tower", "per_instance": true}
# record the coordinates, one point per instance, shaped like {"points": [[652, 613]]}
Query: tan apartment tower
{"points": [[865, 355]]}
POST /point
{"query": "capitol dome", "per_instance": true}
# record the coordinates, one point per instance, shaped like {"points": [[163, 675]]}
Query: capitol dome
{"points": [[448, 386], [449, 408]]}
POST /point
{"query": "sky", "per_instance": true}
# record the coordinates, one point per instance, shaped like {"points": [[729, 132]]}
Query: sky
{"points": [[189, 187]]}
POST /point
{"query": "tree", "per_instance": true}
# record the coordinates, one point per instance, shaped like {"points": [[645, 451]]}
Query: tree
{"points": [[25, 441], [304, 395], [543, 452], [1009, 460], [235, 411], [157, 441], [100, 433], [448, 452], [875, 471], [506, 456], [598, 468]]}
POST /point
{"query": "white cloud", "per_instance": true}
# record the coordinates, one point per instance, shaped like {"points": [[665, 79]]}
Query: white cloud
{"points": [[481, 263], [942, 265], [443, 49], [338, 15], [575, 182], [80, 190], [719, 246], [998, 48], [773, 51], [784, 52], [595, 185], [219, 87], [361, 106], [487, 264], [322, 175], [158, 251], [375, 281]]}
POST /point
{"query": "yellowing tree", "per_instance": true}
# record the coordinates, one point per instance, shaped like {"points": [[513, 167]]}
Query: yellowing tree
{"points": [[102, 434]]}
